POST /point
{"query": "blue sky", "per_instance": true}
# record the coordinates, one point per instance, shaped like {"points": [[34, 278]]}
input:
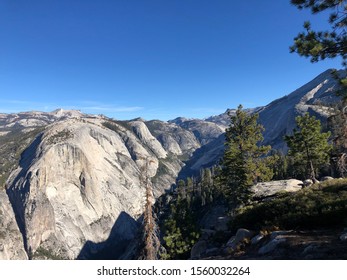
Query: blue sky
{"points": [[157, 59]]}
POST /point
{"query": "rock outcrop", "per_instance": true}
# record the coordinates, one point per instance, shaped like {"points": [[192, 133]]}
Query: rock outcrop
{"points": [[78, 174], [268, 189], [11, 239], [76, 179]]}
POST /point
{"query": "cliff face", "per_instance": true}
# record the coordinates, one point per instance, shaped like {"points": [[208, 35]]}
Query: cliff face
{"points": [[72, 181], [82, 176], [75, 180], [11, 239], [316, 97]]}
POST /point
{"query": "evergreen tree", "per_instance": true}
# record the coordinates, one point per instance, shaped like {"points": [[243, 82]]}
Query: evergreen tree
{"points": [[242, 164], [278, 162], [337, 124], [206, 186], [188, 204], [308, 146], [320, 45], [181, 189], [181, 229]]}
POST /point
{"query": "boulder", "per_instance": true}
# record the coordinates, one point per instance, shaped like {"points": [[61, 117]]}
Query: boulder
{"points": [[222, 223], [212, 251], [271, 246], [198, 249], [309, 250], [266, 189], [326, 178], [308, 182], [280, 233], [343, 237], [207, 233], [215, 219], [241, 234], [256, 239]]}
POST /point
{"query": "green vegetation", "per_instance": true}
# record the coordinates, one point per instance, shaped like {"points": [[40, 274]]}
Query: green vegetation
{"points": [[191, 199], [111, 125], [162, 170], [242, 164], [114, 125], [2, 229], [44, 254], [154, 127], [279, 164], [246, 162], [308, 146], [60, 136], [319, 45], [181, 232], [323, 205]]}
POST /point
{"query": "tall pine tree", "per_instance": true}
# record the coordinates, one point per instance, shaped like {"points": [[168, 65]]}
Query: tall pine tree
{"points": [[319, 45], [242, 164], [308, 146]]}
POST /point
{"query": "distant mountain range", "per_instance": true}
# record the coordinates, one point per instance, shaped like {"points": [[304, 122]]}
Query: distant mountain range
{"points": [[71, 182]]}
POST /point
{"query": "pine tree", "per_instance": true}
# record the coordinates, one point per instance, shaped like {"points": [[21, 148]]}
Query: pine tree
{"points": [[320, 45], [181, 189], [308, 146], [277, 161], [242, 164], [207, 186], [181, 230], [337, 124]]}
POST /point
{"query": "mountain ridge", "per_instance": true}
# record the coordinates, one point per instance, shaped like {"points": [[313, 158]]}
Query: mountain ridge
{"points": [[69, 176]]}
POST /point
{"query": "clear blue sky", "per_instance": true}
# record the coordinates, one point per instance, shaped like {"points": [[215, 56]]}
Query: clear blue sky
{"points": [[157, 59]]}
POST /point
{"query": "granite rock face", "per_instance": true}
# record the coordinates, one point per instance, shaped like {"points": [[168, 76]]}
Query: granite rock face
{"points": [[11, 239], [268, 189], [76, 179]]}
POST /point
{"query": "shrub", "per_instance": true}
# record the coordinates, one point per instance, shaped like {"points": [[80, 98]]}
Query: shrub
{"points": [[324, 205]]}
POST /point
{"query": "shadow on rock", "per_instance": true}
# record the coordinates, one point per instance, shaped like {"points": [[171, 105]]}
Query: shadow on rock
{"points": [[119, 244], [18, 190]]}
